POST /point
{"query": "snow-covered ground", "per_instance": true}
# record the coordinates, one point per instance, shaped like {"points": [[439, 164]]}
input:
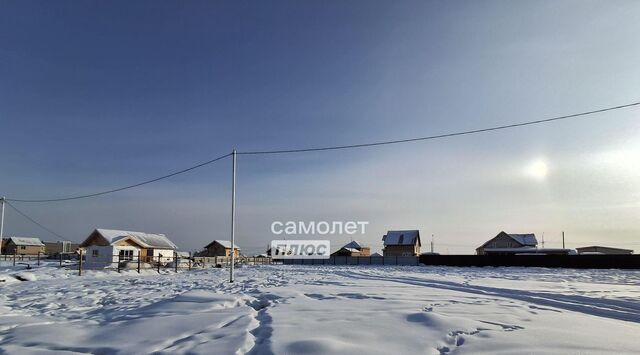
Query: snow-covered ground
{"points": [[319, 310]]}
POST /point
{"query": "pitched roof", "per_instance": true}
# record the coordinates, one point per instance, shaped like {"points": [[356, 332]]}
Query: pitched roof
{"points": [[224, 243], [26, 241], [406, 237], [528, 239], [147, 240], [376, 254], [353, 245]]}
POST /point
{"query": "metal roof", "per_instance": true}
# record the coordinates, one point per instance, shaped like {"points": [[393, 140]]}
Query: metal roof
{"points": [[26, 241], [528, 239], [224, 243], [405, 237], [147, 240]]}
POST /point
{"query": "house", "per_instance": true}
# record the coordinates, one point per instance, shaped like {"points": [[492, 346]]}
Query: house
{"points": [[353, 248], [505, 243], [603, 250], [3, 244], [23, 246], [401, 243], [106, 246], [60, 247], [220, 248]]}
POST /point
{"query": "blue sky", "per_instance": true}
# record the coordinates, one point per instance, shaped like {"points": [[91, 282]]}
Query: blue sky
{"points": [[95, 95]]}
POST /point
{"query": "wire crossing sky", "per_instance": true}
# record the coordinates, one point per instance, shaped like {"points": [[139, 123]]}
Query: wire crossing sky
{"points": [[364, 145], [98, 97]]}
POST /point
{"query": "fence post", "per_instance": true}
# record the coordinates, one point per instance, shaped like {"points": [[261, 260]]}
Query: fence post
{"points": [[38, 258], [189, 261], [80, 264], [119, 262], [15, 254], [60, 259], [158, 263], [138, 261], [175, 260]]}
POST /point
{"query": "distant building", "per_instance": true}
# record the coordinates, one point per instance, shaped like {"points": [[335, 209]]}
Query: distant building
{"points": [[106, 246], [401, 243], [603, 250], [220, 248], [505, 243], [353, 248], [23, 246], [60, 247], [376, 254]]}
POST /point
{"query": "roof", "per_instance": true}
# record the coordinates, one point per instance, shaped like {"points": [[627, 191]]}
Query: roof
{"points": [[353, 245], [528, 239], [376, 254], [603, 247], [224, 243], [406, 237], [26, 241], [147, 240]]}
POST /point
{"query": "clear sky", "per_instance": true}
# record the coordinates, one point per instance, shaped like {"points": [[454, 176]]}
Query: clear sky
{"points": [[95, 95]]}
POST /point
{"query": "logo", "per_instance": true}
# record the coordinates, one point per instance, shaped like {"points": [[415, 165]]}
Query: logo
{"points": [[300, 249]]}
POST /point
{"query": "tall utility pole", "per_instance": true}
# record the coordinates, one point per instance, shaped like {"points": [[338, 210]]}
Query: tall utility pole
{"points": [[233, 218], [562, 239], [1, 223], [431, 243]]}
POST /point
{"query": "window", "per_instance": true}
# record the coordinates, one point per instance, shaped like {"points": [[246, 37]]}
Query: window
{"points": [[126, 254], [22, 247], [95, 253]]}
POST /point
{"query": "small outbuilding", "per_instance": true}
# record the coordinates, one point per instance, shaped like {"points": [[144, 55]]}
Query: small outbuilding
{"points": [[353, 248], [220, 248], [595, 249], [55, 248], [402, 243], [23, 246]]}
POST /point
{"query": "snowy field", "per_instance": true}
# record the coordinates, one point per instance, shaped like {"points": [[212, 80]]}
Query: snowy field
{"points": [[319, 310]]}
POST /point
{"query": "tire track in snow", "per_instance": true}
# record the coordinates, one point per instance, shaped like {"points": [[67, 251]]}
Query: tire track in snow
{"points": [[614, 309]]}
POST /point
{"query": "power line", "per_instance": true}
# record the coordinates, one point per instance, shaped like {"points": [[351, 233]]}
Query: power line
{"points": [[445, 135], [452, 134], [34, 221], [125, 187]]}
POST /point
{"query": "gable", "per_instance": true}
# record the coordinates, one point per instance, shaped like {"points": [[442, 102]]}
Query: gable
{"points": [[94, 238], [128, 242], [518, 239]]}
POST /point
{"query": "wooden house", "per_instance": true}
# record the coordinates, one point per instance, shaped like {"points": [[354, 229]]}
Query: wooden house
{"points": [[353, 248], [401, 243], [508, 244], [220, 248], [103, 247], [23, 246]]}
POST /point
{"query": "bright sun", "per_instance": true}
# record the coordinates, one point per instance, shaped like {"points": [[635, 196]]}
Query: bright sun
{"points": [[538, 169]]}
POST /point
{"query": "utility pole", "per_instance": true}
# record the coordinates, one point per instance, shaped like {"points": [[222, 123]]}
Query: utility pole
{"points": [[233, 217], [1, 223], [432, 243], [562, 239]]}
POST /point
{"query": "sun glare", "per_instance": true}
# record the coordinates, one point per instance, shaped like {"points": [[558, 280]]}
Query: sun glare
{"points": [[539, 170]]}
